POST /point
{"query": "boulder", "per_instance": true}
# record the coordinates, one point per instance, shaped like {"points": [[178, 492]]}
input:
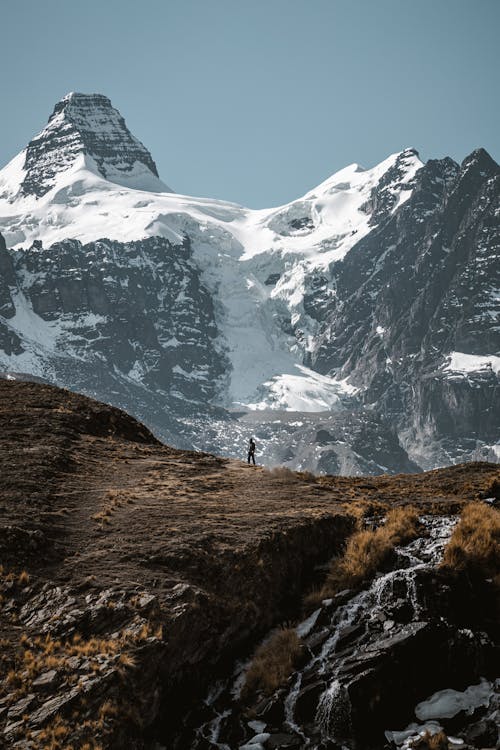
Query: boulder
{"points": [[482, 733], [307, 702], [46, 681]]}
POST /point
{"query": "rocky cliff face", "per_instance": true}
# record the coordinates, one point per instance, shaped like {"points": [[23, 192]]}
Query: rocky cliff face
{"points": [[367, 310], [130, 320], [422, 285]]}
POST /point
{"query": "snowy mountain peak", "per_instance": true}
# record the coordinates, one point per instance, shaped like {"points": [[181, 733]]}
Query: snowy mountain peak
{"points": [[86, 128]]}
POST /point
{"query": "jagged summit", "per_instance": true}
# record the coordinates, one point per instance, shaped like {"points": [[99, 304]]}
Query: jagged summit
{"points": [[88, 126], [481, 159]]}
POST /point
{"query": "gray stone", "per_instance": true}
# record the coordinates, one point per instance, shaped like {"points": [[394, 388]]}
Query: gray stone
{"points": [[46, 681], [51, 707], [12, 729], [21, 707]]}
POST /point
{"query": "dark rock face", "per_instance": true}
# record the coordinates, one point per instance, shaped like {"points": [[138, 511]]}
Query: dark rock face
{"points": [[130, 322], [383, 198], [372, 661], [421, 285], [82, 124]]}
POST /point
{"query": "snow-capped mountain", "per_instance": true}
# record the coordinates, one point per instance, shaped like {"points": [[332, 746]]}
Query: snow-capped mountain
{"points": [[348, 308], [84, 132]]}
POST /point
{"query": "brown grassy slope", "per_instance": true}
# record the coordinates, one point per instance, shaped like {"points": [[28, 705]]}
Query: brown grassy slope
{"points": [[113, 502], [444, 489], [89, 499]]}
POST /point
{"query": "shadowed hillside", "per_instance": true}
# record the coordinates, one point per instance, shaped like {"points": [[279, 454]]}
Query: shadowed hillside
{"points": [[133, 572]]}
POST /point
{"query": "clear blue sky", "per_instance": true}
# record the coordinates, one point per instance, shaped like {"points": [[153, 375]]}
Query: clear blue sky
{"points": [[257, 101]]}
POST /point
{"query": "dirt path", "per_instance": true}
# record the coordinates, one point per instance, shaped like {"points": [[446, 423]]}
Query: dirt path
{"points": [[116, 506]]}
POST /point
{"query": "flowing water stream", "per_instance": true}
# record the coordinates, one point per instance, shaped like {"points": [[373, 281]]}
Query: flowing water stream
{"points": [[364, 612]]}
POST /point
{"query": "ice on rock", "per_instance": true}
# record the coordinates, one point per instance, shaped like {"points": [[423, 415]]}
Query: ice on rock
{"points": [[257, 726], [448, 703]]}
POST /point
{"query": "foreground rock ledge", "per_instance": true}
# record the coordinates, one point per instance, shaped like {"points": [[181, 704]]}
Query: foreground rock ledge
{"points": [[133, 573]]}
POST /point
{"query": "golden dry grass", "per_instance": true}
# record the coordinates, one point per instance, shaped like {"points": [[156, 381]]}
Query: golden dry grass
{"points": [[273, 663], [475, 542], [284, 474], [36, 655], [366, 551], [24, 578], [114, 500], [428, 741]]}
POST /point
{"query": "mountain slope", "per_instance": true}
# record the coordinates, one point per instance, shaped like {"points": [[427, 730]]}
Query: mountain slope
{"points": [[414, 294], [350, 298]]}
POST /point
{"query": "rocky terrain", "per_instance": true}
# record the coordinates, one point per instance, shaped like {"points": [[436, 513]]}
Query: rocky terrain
{"points": [[354, 330], [134, 576]]}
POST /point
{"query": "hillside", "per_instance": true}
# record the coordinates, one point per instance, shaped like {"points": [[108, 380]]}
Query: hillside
{"points": [[134, 573]]}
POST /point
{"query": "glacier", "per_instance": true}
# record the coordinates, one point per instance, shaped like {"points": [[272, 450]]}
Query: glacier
{"points": [[288, 304]]}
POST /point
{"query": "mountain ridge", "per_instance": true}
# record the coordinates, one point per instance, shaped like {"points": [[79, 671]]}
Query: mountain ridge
{"points": [[347, 301]]}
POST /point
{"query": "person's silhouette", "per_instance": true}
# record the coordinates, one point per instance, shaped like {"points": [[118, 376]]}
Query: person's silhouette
{"points": [[251, 450]]}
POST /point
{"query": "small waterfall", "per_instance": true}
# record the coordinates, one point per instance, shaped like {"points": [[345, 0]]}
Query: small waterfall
{"points": [[371, 610], [333, 714], [290, 701], [214, 730], [342, 618]]}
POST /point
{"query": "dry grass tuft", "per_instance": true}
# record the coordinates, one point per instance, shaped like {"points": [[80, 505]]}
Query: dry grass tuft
{"points": [[114, 500], [287, 476], [475, 542], [24, 578], [307, 476], [273, 663], [367, 550], [428, 741]]}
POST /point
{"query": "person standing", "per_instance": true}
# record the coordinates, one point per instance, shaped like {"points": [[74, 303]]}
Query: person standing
{"points": [[251, 450]]}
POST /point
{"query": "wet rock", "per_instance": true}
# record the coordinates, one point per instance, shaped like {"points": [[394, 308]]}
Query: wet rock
{"points": [[307, 702], [349, 635], [271, 711], [405, 633], [401, 611], [282, 740], [316, 640], [483, 733]]}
